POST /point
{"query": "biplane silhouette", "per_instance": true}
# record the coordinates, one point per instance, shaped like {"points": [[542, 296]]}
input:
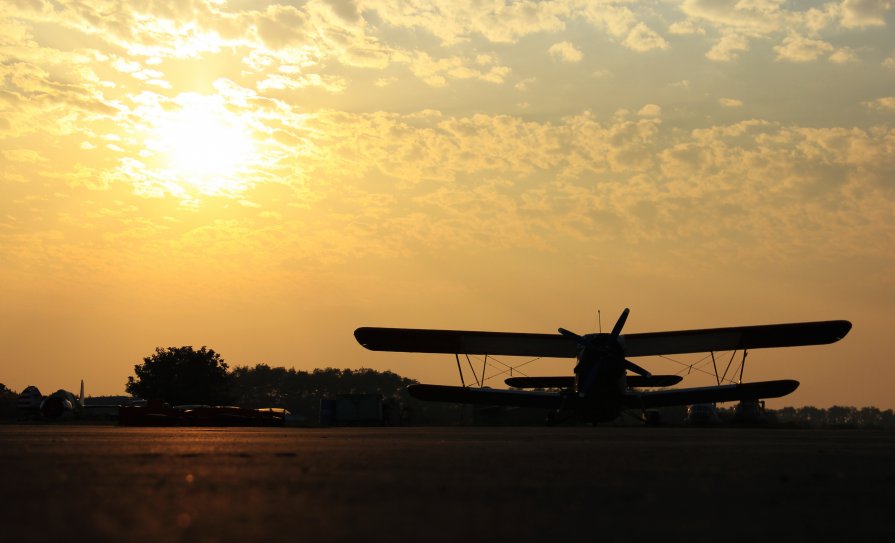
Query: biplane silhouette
{"points": [[605, 383]]}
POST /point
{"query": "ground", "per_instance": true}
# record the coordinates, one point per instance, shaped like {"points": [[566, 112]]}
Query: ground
{"points": [[106, 483]]}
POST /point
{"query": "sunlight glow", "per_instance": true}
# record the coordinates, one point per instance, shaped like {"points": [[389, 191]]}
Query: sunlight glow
{"points": [[206, 146]]}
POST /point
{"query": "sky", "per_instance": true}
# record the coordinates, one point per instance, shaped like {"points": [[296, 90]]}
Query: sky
{"points": [[264, 177]]}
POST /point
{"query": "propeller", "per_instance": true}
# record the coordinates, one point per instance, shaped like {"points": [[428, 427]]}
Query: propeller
{"points": [[586, 342]]}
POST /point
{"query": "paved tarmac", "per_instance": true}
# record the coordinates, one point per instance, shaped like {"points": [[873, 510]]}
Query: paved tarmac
{"points": [[106, 483]]}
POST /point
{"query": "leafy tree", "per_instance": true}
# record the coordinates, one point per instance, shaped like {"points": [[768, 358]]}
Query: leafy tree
{"points": [[182, 375]]}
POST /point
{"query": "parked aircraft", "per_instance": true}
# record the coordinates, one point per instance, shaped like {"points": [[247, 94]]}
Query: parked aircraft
{"points": [[601, 387], [61, 404]]}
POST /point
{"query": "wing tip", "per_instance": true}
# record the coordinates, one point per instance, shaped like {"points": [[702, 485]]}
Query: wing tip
{"points": [[844, 328], [363, 337]]}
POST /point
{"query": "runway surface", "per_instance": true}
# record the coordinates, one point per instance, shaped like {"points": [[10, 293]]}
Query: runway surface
{"points": [[106, 483]]}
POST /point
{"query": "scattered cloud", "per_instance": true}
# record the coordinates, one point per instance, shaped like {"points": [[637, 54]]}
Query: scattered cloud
{"points": [[886, 103], [730, 102], [843, 55], [728, 48], [438, 71], [642, 38], [797, 48], [565, 52], [650, 110], [525, 84], [861, 13], [685, 28]]}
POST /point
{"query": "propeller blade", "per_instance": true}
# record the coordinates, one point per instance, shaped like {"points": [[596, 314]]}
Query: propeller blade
{"points": [[584, 341], [617, 330], [637, 369]]}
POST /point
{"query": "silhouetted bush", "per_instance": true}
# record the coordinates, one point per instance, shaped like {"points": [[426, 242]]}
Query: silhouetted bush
{"points": [[182, 375]]}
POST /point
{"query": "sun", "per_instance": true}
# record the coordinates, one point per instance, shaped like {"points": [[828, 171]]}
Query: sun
{"points": [[205, 145]]}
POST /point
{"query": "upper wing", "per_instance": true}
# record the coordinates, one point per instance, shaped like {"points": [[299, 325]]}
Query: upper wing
{"points": [[410, 340], [722, 393], [486, 396], [739, 337]]}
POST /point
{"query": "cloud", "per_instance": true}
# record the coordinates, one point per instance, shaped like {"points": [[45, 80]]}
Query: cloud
{"points": [[631, 166], [616, 20], [650, 110], [332, 84], [438, 71], [843, 55], [382, 178], [565, 52], [525, 84], [886, 103], [763, 19], [728, 48], [281, 26], [861, 13], [642, 38], [347, 10], [752, 18], [730, 102], [684, 28], [797, 48], [458, 22]]}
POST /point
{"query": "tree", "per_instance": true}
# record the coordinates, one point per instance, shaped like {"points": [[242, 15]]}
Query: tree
{"points": [[8, 399], [182, 375]]}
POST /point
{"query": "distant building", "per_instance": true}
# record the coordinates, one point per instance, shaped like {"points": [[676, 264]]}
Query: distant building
{"points": [[359, 410]]}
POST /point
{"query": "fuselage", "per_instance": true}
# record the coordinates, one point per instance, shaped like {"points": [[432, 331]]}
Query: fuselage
{"points": [[599, 379]]}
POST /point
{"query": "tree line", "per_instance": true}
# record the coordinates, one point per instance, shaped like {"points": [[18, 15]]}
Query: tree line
{"points": [[184, 375], [837, 416]]}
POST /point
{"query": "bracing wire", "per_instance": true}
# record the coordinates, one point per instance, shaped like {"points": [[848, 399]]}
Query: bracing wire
{"points": [[507, 368], [695, 366]]}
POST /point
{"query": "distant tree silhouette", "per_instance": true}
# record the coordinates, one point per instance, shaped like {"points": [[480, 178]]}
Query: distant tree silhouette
{"points": [[182, 375], [8, 400], [836, 416]]}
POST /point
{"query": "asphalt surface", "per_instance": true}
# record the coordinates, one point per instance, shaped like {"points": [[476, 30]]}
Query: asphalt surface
{"points": [[105, 483]]}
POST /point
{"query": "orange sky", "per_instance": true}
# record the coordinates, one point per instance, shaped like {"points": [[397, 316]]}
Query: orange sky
{"points": [[264, 177]]}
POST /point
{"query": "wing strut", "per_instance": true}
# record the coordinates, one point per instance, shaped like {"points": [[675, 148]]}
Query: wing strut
{"points": [[460, 370], [729, 362], [714, 365], [474, 374]]}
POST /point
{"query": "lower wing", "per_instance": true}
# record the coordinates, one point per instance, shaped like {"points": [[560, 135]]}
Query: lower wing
{"points": [[722, 393], [633, 381]]}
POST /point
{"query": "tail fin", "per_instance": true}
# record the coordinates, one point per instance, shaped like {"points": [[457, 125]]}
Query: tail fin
{"points": [[81, 397]]}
